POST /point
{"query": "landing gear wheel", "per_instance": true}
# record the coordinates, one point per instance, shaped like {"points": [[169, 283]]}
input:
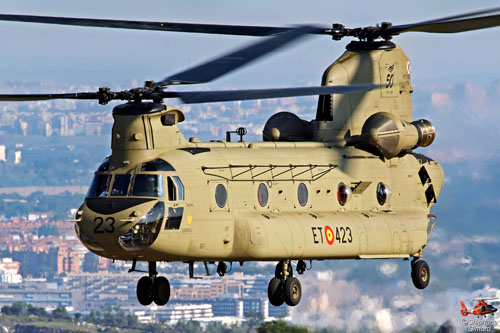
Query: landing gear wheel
{"points": [[293, 291], [420, 274], [145, 290], [161, 290], [279, 271], [275, 292]]}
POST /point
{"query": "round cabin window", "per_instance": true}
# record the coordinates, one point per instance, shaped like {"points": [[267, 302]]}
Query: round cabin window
{"points": [[262, 194], [383, 193], [302, 194], [220, 195], [344, 194]]}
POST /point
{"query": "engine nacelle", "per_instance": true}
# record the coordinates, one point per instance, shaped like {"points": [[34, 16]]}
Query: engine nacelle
{"points": [[390, 135], [286, 126]]}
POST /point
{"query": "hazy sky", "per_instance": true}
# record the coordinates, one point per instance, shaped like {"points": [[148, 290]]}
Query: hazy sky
{"points": [[98, 56]]}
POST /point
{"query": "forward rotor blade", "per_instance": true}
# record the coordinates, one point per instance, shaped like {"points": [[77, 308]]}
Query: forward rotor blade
{"points": [[45, 97], [220, 66], [193, 97], [452, 24], [240, 30]]}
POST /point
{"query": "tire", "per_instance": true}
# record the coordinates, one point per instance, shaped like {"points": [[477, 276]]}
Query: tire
{"points": [[275, 292], [161, 290], [145, 290], [420, 274], [293, 291]]}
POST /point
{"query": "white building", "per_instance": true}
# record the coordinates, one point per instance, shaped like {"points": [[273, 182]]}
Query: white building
{"points": [[18, 156], [3, 156], [9, 271]]}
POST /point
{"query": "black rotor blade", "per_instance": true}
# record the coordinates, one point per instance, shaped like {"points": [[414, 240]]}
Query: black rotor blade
{"points": [[452, 24], [218, 67], [193, 97], [222, 29], [45, 97]]}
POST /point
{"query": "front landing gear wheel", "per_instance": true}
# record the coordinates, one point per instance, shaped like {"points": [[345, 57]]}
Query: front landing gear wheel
{"points": [[293, 291], [161, 290], [420, 274], [275, 292], [145, 290]]}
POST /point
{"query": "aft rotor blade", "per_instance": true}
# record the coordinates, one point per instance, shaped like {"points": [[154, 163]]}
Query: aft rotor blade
{"points": [[192, 97], [218, 67], [222, 29], [452, 24]]}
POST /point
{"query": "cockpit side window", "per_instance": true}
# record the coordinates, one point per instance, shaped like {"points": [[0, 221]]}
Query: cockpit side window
{"points": [[147, 185], [180, 188], [172, 191], [99, 187], [175, 189], [157, 165], [120, 185], [174, 218]]}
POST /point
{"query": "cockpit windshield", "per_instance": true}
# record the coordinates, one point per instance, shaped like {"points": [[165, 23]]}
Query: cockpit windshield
{"points": [[99, 187], [147, 186], [120, 185]]}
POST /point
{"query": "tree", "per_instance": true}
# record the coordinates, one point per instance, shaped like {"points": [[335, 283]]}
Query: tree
{"points": [[61, 313], [188, 327], [18, 308], [93, 317], [279, 326], [36, 311], [132, 321], [6, 309]]}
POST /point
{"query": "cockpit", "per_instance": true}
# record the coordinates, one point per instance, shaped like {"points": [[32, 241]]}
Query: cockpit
{"points": [[146, 181], [151, 180]]}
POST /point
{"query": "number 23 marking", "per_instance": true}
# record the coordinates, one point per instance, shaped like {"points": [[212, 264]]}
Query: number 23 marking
{"points": [[99, 222]]}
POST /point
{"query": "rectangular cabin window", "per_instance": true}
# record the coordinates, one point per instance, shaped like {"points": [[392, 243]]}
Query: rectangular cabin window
{"points": [[174, 218], [147, 186], [120, 186], [99, 186]]}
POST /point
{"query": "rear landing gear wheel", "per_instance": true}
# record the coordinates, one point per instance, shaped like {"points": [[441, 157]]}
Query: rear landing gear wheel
{"points": [[275, 292], [420, 274], [145, 290], [293, 291], [161, 290]]}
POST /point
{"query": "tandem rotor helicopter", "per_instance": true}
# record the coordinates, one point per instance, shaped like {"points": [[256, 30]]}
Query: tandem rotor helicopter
{"points": [[346, 185]]}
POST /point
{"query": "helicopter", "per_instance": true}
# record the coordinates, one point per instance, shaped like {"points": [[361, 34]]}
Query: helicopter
{"points": [[345, 185], [480, 309]]}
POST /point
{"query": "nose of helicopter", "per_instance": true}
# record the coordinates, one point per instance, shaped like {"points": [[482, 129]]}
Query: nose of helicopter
{"points": [[106, 226]]}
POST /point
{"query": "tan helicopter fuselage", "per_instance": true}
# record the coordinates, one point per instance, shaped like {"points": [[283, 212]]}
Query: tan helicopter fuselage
{"points": [[283, 228], [213, 209]]}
